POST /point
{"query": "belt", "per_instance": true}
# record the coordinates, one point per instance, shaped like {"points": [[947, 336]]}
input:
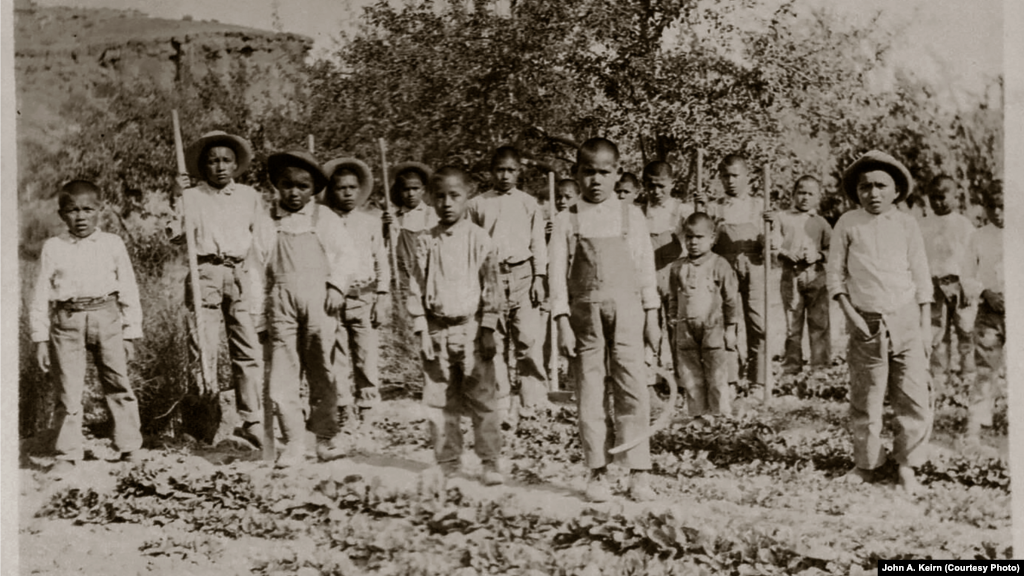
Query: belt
{"points": [[506, 267], [449, 321], [364, 290], [85, 304], [219, 260]]}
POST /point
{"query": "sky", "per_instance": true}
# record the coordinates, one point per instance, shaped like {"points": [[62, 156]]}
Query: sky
{"points": [[956, 41]]}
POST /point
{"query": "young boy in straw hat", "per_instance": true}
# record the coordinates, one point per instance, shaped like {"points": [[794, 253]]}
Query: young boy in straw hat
{"points": [[878, 271], [309, 258], [230, 220], [366, 302]]}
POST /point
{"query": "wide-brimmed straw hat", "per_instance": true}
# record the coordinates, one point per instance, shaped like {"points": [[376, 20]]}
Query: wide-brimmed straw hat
{"points": [[194, 152], [302, 159], [357, 166], [878, 160], [424, 171]]}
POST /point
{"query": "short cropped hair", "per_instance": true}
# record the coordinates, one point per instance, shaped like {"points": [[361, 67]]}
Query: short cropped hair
{"points": [[451, 172], [733, 159], [698, 218], [506, 153], [595, 145], [658, 169], [993, 194], [76, 188], [631, 179], [934, 183], [568, 182], [807, 178]]}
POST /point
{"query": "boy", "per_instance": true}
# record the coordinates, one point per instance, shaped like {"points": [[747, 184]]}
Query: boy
{"points": [[627, 187], [983, 280], [946, 235], [86, 299], [367, 300], [566, 194], [665, 216], [229, 220], [515, 223], [878, 271], [805, 245], [740, 240], [455, 306], [414, 216], [306, 278], [606, 303], [702, 303]]}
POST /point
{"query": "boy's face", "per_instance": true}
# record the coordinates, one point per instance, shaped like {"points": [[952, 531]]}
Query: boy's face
{"points": [[219, 166], [734, 179], [295, 187], [597, 174], [625, 190], [505, 173], [658, 187], [994, 210], [698, 238], [564, 197], [450, 197], [412, 190], [344, 191], [81, 213], [943, 197], [806, 196], [877, 191]]}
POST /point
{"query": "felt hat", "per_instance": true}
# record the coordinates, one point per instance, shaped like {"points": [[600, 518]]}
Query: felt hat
{"points": [[302, 159], [424, 171], [361, 170], [877, 160], [195, 151]]}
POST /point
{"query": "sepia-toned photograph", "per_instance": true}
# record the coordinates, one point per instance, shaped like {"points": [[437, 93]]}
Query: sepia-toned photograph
{"points": [[524, 287]]}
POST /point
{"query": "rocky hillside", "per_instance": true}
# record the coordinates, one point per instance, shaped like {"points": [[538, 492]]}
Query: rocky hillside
{"points": [[60, 51]]}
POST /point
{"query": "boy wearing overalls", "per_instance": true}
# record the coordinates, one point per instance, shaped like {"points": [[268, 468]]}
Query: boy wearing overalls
{"points": [[307, 264], [605, 297]]}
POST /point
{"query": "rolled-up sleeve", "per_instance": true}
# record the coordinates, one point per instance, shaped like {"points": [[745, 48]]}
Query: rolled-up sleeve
{"points": [[835, 268]]}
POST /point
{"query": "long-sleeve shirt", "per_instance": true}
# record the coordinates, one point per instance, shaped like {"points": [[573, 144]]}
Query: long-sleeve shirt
{"points": [[371, 262], [879, 261], [334, 237], [91, 267], [602, 220], [459, 276], [515, 221], [228, 221], [983, 264], [703, 288], [667, 216], [802, 231], [945, 242]]}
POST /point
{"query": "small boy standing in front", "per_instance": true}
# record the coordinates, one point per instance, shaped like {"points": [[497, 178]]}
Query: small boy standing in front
{"points": [[702, 309], [306, 276], [367, 300], [86, 300], [805, 245], [604, 295], [455, 306], [983, 280], [946, 235], [514, 220], [878, 271]]}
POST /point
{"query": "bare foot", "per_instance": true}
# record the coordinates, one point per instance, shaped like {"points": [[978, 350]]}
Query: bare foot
{"points": [[908, 480], [858, 476]]}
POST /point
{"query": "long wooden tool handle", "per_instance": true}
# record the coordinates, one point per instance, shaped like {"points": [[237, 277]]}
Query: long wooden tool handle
{"points": [[193, 262], [553, 376], [311, 144], [766, 357], [698, 202], [387, 208]]}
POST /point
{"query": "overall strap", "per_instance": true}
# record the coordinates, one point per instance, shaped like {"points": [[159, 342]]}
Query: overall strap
{"points": [[574, 221], [625, 219]]}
